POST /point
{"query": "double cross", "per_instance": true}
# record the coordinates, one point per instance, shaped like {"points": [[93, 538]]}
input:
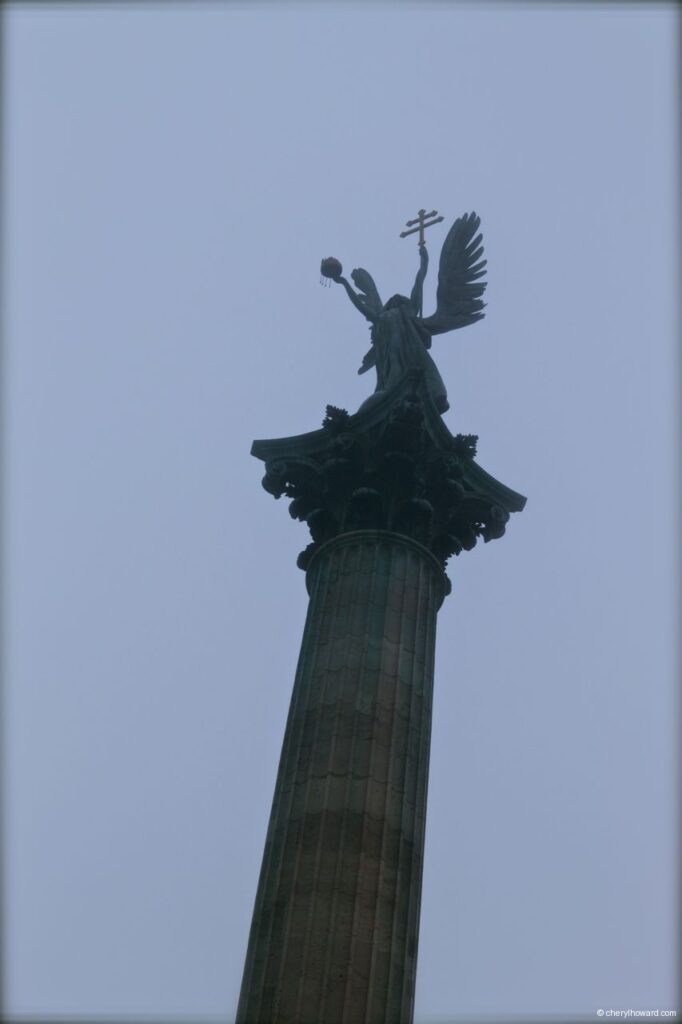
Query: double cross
{"points": [[421, 222]]}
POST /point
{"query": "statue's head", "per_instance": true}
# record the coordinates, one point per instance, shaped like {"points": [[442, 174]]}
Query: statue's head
{"points": [[397, 300]]}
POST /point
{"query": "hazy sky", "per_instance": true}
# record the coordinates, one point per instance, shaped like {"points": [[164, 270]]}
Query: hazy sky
{"points": [[173, 176]]}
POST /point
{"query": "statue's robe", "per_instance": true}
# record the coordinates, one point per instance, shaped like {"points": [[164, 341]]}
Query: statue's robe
{"points": [[400, 344]]}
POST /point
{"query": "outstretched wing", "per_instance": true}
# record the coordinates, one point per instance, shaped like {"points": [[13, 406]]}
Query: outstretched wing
{"points": [[368, 361], [364, 283], [458, 297]]}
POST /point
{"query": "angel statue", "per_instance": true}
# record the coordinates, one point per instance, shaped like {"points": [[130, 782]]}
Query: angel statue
{"points": [[400, 335]]}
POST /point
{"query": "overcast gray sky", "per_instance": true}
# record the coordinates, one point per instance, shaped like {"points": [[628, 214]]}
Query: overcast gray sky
{"points": [[173, 176]]}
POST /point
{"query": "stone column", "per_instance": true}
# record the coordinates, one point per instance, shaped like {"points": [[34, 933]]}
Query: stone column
{"points": [[336, 920], [389, 495]]}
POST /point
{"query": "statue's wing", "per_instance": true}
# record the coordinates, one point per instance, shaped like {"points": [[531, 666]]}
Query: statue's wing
{"points": [[458, 297], [364, 283], [369, 360]]}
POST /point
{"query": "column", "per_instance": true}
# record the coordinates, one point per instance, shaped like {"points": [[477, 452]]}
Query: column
{"points": [[336, 918]]}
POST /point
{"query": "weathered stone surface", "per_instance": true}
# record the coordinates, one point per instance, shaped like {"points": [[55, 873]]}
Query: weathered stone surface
{"points": [[336, 920], [389, 494]]}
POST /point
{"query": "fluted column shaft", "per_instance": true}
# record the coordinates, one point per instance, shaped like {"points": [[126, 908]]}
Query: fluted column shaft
{"points": [[336, 919]]}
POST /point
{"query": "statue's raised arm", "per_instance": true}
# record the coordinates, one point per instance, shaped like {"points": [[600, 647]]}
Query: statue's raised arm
{"points": [[368, 302], [418, 290]]}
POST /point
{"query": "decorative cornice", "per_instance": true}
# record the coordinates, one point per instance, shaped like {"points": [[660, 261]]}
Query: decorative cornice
{"points": [[393, 466]]}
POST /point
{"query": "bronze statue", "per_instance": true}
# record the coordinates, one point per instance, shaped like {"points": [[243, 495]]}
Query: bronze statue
{"points": [[400, 335]]}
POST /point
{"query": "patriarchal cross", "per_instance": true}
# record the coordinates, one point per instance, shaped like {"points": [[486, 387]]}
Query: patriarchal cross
{"points": [[421, 222]]}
